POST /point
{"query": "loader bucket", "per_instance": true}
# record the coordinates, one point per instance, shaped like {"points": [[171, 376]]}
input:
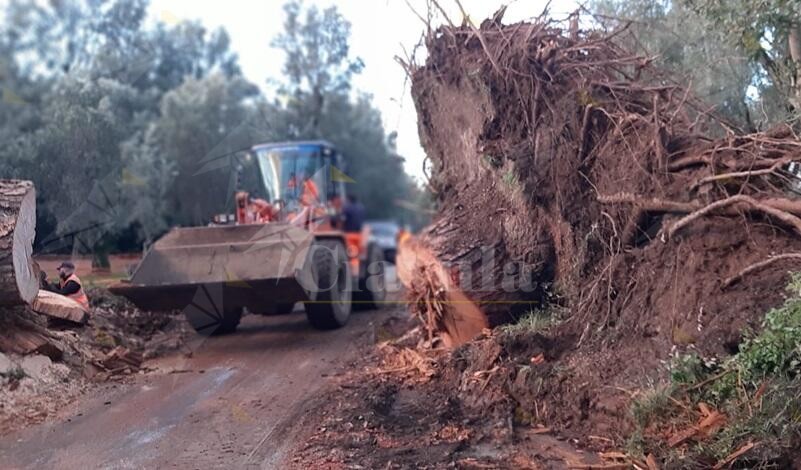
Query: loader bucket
{"points": [[225, 266]]}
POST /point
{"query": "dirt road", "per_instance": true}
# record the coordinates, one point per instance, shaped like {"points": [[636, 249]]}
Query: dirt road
{"points": [[232, 404]]}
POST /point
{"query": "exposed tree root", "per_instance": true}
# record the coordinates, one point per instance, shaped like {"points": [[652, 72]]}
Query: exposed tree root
{"points": [[761, 206], [729, 281], [743, 174]]}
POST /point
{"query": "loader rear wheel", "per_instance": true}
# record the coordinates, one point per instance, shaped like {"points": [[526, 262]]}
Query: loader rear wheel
{"points": [[213, 322], [329, 302], [372, 282]]}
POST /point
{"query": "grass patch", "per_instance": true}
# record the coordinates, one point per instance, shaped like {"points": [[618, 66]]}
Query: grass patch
{"points": [[536, 320], [758, 390], [103, 280]]}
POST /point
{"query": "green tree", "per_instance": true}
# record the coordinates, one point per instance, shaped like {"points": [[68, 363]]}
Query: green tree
{"points": [[769, 33], [196, 120], [718, 71], [319, 69], [318, 62], [84, 83]]}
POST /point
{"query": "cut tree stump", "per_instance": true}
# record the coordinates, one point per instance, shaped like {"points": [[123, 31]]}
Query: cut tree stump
{"points": [[58, 306], [19, 280]]}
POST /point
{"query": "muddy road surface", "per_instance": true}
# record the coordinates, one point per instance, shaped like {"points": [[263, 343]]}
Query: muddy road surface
{"points": [[234, 402]]}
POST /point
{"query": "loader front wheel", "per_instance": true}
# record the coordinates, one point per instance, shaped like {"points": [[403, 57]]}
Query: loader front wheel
{"points": [[329, 303]]}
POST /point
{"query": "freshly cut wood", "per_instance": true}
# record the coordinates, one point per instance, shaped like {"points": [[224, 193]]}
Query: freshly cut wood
{"points": [[19, 281], [58, 306], [121, 358], [440, 302], [26, 341], [734, 455]]}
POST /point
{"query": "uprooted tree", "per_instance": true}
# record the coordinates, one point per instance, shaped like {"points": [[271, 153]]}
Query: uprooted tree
{"points": [[577, 167]]}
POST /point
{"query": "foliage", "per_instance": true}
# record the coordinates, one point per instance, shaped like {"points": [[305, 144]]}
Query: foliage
{"points": [[767, 31], [688, 369], [318, 62], [776, 350], [88, 78], [764, 30], [195, 126], [758, 390], [536, 320], [319, 106], [128, 126], [717, 70]]}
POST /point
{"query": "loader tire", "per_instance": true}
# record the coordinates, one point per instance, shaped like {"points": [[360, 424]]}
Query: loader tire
{"points": [[214, 323], [329, 302], [372, 281]]}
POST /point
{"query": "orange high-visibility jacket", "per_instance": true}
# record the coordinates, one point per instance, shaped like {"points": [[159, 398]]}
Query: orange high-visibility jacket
{"points": [[310, 195], [79, 296]]}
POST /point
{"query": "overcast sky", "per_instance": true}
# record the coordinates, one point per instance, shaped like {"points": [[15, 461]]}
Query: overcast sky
{"points": [[380, 31]]}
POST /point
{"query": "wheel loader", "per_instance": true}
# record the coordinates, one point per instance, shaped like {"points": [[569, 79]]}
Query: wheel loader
{"points": [[283, 244]]}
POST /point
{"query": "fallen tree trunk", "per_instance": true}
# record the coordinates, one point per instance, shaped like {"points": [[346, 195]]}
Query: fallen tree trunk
{"points": [[19, 280]]}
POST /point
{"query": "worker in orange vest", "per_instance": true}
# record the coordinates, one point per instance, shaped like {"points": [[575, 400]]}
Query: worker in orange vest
{"points": [[69, 284], [310, 194]]}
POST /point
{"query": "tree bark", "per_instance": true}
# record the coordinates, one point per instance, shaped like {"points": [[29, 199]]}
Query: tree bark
{"points": [[19, 279], [29, 339], [794, 40]]}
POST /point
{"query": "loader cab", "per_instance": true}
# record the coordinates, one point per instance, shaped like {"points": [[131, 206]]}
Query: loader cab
{"points": [[289, 170]]}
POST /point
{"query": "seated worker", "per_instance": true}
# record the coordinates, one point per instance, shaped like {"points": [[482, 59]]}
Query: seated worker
{"points": [[69, 284], [262, 210]]}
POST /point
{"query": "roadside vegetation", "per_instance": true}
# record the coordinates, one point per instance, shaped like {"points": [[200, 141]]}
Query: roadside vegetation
{"points": [[746, 407], [537, 320]]}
